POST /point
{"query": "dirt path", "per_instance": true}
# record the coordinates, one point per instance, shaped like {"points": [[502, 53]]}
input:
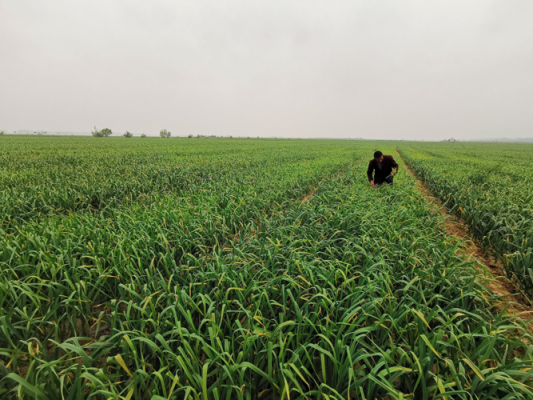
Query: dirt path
{"points": [[492, 274]]}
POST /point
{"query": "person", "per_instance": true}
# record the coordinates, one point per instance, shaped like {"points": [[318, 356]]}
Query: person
{"points": [[383, 166]]}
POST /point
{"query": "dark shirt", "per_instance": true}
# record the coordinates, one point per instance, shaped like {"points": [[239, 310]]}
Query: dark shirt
{"points": [[387, 165]]}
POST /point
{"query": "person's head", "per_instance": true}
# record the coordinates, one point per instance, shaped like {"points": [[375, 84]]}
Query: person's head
{"points": [[378, 156]]}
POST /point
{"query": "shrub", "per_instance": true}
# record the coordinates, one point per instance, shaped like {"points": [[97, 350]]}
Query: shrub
{"points": [[164, 133], [103, 133], [128, 134], [143, 135]]}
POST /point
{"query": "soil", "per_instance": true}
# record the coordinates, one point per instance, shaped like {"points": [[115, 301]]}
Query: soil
{"points": [[491, 272], [308, 196]]}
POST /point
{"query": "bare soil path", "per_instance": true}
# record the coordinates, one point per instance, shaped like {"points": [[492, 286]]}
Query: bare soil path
{"points": [[492, 274]]}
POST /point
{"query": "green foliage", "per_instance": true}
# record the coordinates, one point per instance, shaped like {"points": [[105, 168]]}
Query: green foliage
{"points": [[190, 136], [102, 133], [164, 133], [234, 268], [492, 190], [128, 134], [143, 135]]}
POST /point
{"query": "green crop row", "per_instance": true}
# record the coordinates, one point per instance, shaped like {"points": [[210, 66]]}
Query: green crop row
{"points": [[44, 183], [95, 249], [287, 279], [490, 187]]}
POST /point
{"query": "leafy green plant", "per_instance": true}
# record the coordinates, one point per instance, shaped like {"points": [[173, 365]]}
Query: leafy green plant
{"points": [[128, 134]]}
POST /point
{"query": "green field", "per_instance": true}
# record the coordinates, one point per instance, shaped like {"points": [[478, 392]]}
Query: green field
{"points": [[211, 268]]}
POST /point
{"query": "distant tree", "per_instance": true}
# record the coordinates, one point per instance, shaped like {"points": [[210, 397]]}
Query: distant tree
{"points": [[190, 136], [128, 135], [164, 133], [1, 133], [103, 133], [143, 135]]}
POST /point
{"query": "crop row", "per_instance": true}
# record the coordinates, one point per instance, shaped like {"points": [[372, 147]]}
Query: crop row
{"points": [[46, 263], [35, 186], [491, 191]]}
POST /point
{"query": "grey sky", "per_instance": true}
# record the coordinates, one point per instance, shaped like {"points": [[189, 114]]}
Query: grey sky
{"points": [[388, 69]]}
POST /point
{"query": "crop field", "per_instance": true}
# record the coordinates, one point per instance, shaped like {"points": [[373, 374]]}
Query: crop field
{"points": [[490, 186], [211, 268]]}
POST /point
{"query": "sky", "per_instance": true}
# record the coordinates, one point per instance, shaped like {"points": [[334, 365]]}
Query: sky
{"points": [[373, 69]]}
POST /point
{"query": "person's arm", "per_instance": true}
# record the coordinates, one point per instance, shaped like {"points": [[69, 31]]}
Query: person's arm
{"points": [[369, 173], [394, 165]]}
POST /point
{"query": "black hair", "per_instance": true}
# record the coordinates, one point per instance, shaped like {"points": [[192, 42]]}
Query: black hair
{"points": [[378, 154]]}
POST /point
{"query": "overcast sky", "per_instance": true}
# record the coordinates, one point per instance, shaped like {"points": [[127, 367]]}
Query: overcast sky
{"points": [[388, 69]]}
